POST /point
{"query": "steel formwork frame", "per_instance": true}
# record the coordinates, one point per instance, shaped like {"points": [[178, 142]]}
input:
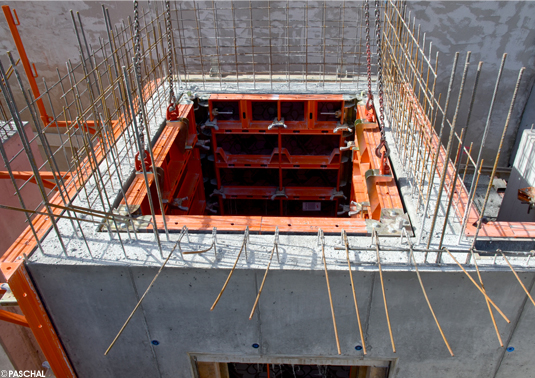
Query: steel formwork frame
{"points": [[373, 195], [95, 122]]}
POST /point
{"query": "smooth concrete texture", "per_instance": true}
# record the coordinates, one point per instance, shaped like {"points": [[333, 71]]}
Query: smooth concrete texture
{"points": [[89, 304]]}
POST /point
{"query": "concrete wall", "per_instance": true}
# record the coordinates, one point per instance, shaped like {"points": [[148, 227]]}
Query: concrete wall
{"points": [[88, 305], [488, 29]]}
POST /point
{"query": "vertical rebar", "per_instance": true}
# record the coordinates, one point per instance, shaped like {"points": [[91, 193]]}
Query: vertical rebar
{"points": [[10, 101], [437, 152], [448, 150], [458, 168], [479, 155], [507, 121]]}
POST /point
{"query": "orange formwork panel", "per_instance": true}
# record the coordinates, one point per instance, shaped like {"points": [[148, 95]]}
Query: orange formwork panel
{"points": [[380, 190], [367, 188]]}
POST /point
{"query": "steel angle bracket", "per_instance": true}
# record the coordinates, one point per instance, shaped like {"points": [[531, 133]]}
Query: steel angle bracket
{"points": [[392, 223], [133, 210], [8, 299], [357, 207], [137, 221], [374, 176]]}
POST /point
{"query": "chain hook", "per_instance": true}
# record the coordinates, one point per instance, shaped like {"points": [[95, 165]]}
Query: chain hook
{"points": [[172, 110]]}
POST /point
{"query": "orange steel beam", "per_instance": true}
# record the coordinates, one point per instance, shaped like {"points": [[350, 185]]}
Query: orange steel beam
{"points": [[31, 75], [46, 177], [10, 317], [37, 318], [88, 126], [263, 224]]}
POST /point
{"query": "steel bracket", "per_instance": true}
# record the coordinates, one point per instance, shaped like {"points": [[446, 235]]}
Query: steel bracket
{"points": [[8, 299], [373, 176], [358, 207], [277, 123], [350, 145], [337, 194], [211, 124], [219, 192], [344, 127], [392, 223], [279, 193]]}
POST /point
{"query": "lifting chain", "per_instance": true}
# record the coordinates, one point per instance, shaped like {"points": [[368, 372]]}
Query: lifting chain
{"points": [[172, 111], [368, 54], [379, 64], [137, 67], [383, 155]]}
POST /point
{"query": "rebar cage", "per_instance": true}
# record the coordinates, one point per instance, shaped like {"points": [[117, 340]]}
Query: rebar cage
{"points": [[83, 125]]}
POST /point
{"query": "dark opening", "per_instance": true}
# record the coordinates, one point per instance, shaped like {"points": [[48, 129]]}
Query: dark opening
{"points": [[237, 370], [310, 144], [249, 144], [293, 111], [264, 110], [249, 177], [309, 177]]}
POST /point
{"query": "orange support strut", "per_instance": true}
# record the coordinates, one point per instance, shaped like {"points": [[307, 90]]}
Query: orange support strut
{"points": [[25, 61]]}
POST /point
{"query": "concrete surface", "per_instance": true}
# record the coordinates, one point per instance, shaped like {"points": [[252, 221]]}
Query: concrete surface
{"points": [[486, 28], [89, 304]]}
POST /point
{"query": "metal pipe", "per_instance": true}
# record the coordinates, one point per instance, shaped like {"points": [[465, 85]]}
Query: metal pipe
{"points": [[230, 274], [487, 301], [140, 300], [425, 294], [275, 242], [19, 196], [448, 149], [149, 147], [518, 278], [477, 286]]}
